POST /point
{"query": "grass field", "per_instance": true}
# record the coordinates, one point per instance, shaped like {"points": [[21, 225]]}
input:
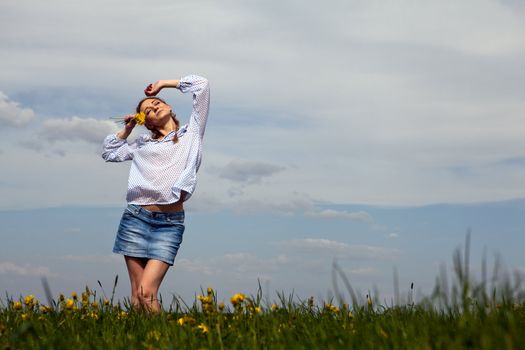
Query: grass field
{"points": [[462, 314]]}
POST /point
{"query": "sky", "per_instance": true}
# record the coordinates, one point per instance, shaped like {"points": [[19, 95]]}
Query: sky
{"points": [[370, 133]]}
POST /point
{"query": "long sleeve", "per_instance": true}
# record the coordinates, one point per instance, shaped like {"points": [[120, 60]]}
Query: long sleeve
{"points": [[116, 150], [201, 102]]}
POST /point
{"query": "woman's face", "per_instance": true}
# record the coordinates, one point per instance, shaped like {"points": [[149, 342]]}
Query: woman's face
{"points": [[157, 112]]}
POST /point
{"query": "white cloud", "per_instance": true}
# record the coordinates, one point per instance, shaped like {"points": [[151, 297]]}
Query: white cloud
{"points": [[11, 114], [474, 26], [248, 171], [25, 270], [97, 259], [340, 249], [77, 129], [340, 214], [287, 208], [239, 264], [388, 113]]}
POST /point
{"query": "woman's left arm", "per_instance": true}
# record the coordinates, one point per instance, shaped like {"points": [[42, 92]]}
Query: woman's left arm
{"points": [[200, 88], [201, 98]]}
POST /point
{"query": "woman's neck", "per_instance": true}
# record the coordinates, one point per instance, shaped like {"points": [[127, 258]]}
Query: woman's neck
{"points": [[164, 130]]}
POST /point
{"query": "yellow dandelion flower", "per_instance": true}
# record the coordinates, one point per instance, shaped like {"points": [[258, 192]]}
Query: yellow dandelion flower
{"points": [[17, 305], [275, 307], [331, 308], [29, 300], [61, 297], [140, 118], [237, 299], [185, 320], [94, 305], [210, 291], [45, 309], [106, 302], [221, 306], [85, 297], [74, 295], [205, 300], [24, 317], [122, 315], [204, 329], [70, 304]]}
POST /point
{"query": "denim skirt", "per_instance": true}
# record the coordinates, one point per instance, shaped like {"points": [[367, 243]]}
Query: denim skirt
{"points": [[152, 235]]}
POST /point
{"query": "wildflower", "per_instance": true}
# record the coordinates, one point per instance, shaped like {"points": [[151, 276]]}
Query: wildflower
{"points": [[106, 302], [237, 299], [330, 308], [153, 335], [210, 291], [275, 307], [94, 305], [61, 297], [221, 306], [70, 304], [45, 309], [17, 305], [185, 320], [204, 329], [205, 300], [121, 315], [139, 118], [29, 300], [85, 298], [207, 303], [25, 317], [74, 295], [369, 301]]}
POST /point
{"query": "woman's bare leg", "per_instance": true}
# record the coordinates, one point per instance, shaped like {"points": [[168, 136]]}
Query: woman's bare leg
{"points": [[135, 270], [152, 276]]}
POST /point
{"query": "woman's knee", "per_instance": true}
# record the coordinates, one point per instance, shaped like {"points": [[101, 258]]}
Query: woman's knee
{"points": [[146, 293]]}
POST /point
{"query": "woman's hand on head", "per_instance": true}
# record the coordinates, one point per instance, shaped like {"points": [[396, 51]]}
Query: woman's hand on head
{"points": [[153, 89]]}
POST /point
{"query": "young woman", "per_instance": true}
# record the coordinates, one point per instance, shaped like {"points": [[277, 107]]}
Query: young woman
{"points": [[164, 165]]}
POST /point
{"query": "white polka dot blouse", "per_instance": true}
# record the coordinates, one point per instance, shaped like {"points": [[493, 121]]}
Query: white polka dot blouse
{"points": [[161, 169]]}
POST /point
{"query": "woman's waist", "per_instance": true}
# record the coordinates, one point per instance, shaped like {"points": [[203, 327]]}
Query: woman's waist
{"points": [[165, 208], [162, 205]]}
